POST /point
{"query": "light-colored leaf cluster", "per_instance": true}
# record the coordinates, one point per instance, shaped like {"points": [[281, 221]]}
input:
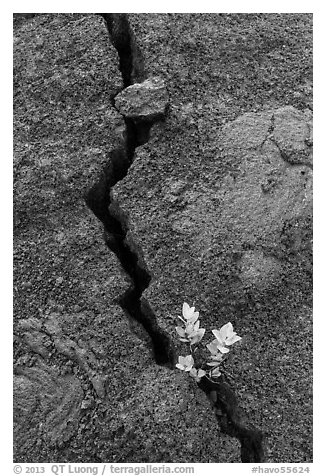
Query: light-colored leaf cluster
{"points": [[192, 334]]}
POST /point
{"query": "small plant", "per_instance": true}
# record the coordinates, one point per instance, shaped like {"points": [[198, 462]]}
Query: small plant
{"points": [[191, 333]]}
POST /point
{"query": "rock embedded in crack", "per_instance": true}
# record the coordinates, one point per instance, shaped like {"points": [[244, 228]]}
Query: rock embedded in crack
{"points": [[143, 101]]}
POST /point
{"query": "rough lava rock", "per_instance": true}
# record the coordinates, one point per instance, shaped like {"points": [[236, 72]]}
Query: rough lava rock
{"points": [[294, 136], [145, 101], [47, 407]]}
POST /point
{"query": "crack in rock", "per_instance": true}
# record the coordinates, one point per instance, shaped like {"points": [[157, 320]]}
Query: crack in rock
{"points": [[99, 199], [123, 39], [141, 105], [231, 420]]}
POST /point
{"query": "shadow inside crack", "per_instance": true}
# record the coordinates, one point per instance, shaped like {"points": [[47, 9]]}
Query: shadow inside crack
{"points": [[98, 199], [230, 417], [131, 61]]}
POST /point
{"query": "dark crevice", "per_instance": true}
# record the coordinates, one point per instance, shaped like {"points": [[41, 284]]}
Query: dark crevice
{"points": [[99, 199], [130, 56], [132, 302], [231, 419]]}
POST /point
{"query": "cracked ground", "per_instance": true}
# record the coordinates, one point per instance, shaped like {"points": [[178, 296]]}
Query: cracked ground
{"points": [[216, 205]]}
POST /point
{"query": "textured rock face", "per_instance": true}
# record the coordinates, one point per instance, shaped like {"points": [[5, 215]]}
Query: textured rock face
{"points": [[143, 101], [293, 136], [47, 407], [265, 191]]}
